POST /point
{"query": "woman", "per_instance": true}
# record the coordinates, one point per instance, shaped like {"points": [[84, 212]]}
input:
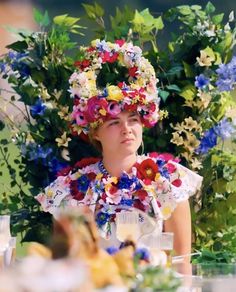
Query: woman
{"points": [[115, 95]]}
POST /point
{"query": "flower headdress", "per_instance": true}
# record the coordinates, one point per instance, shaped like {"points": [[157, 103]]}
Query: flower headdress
{"points": [[111, 77]]}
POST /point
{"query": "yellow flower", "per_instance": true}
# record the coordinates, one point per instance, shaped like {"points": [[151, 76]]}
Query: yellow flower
{"points": [[63, 113], [191, 142], [191, 124], [177, 139], [166, 211], [196, 164], [114, 93], [102, 111], [205, 60], [63, 140]]}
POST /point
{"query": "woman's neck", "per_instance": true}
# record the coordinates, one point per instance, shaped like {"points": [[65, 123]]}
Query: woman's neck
{"points": [[116, 165]]}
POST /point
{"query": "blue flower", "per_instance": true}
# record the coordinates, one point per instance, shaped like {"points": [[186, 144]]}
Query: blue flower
{"points": [[126, 202], [160, 162], [125, 182], [226, 76], [2, 67], [102, 219], [201, 81], [112, 250], [207, 142], [55, 165], [33, 151], [224, 129], [142, 254], [38, 109], [83, 183], [164, 172]]}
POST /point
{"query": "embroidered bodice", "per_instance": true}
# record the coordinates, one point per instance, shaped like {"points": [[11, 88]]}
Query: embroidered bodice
{"points": [[155, 185]]}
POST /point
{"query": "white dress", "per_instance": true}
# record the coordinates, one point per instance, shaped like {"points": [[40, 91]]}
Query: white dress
{"points": [[155, 185]]}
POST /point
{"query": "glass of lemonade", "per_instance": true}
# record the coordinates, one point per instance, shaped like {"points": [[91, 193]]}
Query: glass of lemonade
{"points": [[127, 225]]}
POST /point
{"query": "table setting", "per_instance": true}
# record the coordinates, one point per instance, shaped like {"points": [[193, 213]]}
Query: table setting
{"points": [[145, 263]]}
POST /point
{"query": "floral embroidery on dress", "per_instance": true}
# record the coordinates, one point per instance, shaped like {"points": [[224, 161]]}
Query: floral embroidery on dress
{"points": [[155, 185]]}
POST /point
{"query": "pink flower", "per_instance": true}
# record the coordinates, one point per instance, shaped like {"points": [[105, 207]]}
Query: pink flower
{"points": [[80, 118], [170, 167], [94, 107], [113, 109]]}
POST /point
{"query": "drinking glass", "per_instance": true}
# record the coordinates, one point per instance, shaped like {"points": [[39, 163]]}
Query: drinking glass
{"points": [[10, 252], [127, 225], [5, 233]]}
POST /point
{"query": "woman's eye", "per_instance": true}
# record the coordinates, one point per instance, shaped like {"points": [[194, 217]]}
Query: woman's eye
{"points": [[113, 123]]}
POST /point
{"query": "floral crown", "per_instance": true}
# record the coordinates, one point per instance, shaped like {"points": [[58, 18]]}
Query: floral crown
{"points": [[109, 78]]}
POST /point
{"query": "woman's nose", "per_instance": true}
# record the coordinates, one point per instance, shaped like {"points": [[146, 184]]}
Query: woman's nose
{"points": [[126, 128]]}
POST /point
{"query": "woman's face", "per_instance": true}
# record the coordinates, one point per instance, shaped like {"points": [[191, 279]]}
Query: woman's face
{"points": [[121, 134]]}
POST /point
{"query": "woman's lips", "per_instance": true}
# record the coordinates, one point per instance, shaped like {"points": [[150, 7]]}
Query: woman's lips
{"points": [[128, 140]]}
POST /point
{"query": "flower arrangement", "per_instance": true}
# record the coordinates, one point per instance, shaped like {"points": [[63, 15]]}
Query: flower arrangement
{"points": [[110, 78], [196, 73]]}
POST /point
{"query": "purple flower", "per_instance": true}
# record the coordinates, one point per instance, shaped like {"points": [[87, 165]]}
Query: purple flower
{"points": [[38, 108], [201, 81]]}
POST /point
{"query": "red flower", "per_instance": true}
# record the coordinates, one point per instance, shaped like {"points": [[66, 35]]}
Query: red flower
{"points": [[64, 171], [74, 191], [108, 57], [133, 71], [142, 194], [120, 42], [147, 169], [86, 161], [177, 182], [130, 107], [138, 204], [82, 64]]}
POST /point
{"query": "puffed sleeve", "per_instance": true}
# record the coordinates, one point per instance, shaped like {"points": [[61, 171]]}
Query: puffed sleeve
{"points": [[190, 182], [177, 186]]}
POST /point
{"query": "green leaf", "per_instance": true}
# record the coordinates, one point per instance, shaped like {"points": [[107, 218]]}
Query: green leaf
{"points": [[184, 9], [210, 8], [188, 92], [188, 70], [164, 94], [90, 10], [18, 46], [217, 19], [41, 19], [173, 87], [99, 10]]}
